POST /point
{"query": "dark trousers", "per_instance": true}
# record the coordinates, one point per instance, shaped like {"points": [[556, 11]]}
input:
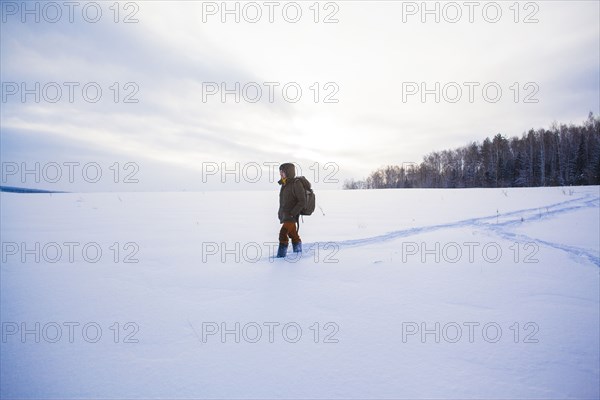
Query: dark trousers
{"points": [[288, 229]]}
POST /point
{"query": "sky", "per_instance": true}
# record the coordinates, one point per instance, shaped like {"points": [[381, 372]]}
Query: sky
{"points": [[195, 95]]}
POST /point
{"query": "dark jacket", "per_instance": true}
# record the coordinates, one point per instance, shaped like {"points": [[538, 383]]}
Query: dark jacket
{"points": [[292, 196]]}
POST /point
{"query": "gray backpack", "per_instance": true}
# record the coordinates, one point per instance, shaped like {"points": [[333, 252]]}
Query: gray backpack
{"points": [[310, 196]]}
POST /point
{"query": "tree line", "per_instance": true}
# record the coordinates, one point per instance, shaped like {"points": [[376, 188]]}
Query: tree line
{"points": [[560, 156]]}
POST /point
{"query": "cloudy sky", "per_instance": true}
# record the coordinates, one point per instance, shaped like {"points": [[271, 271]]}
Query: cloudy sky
{"points": [[157, 95]]}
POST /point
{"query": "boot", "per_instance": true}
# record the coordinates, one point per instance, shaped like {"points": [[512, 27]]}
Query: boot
{"points": [[297, 247], [282, 250]]}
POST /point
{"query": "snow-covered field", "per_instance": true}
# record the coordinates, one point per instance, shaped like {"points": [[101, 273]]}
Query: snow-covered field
{"points": [[477, 293]]}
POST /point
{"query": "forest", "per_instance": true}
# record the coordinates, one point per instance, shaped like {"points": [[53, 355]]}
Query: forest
{"points": [[562, 155]]}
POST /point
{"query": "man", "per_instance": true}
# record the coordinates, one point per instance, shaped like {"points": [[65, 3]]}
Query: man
{"points": [[292, 199]]}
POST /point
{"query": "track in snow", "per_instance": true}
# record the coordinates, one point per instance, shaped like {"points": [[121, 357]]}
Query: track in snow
{"points": [[495, 224]]}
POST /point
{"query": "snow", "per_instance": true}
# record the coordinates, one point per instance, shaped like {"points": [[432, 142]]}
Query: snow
{"points": [[515, 271]]}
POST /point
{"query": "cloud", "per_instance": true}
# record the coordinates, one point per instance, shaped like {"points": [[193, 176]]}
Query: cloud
{"points": [[364, 61]]}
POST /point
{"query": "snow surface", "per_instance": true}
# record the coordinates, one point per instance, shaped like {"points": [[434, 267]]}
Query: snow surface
{"points": [[379, 268]]}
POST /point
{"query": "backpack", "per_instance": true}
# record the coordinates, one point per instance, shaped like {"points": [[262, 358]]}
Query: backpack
{"points": [[310, 197]]}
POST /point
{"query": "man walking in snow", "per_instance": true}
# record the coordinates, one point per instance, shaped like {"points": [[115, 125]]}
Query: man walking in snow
{"points": [[292, 199]]}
